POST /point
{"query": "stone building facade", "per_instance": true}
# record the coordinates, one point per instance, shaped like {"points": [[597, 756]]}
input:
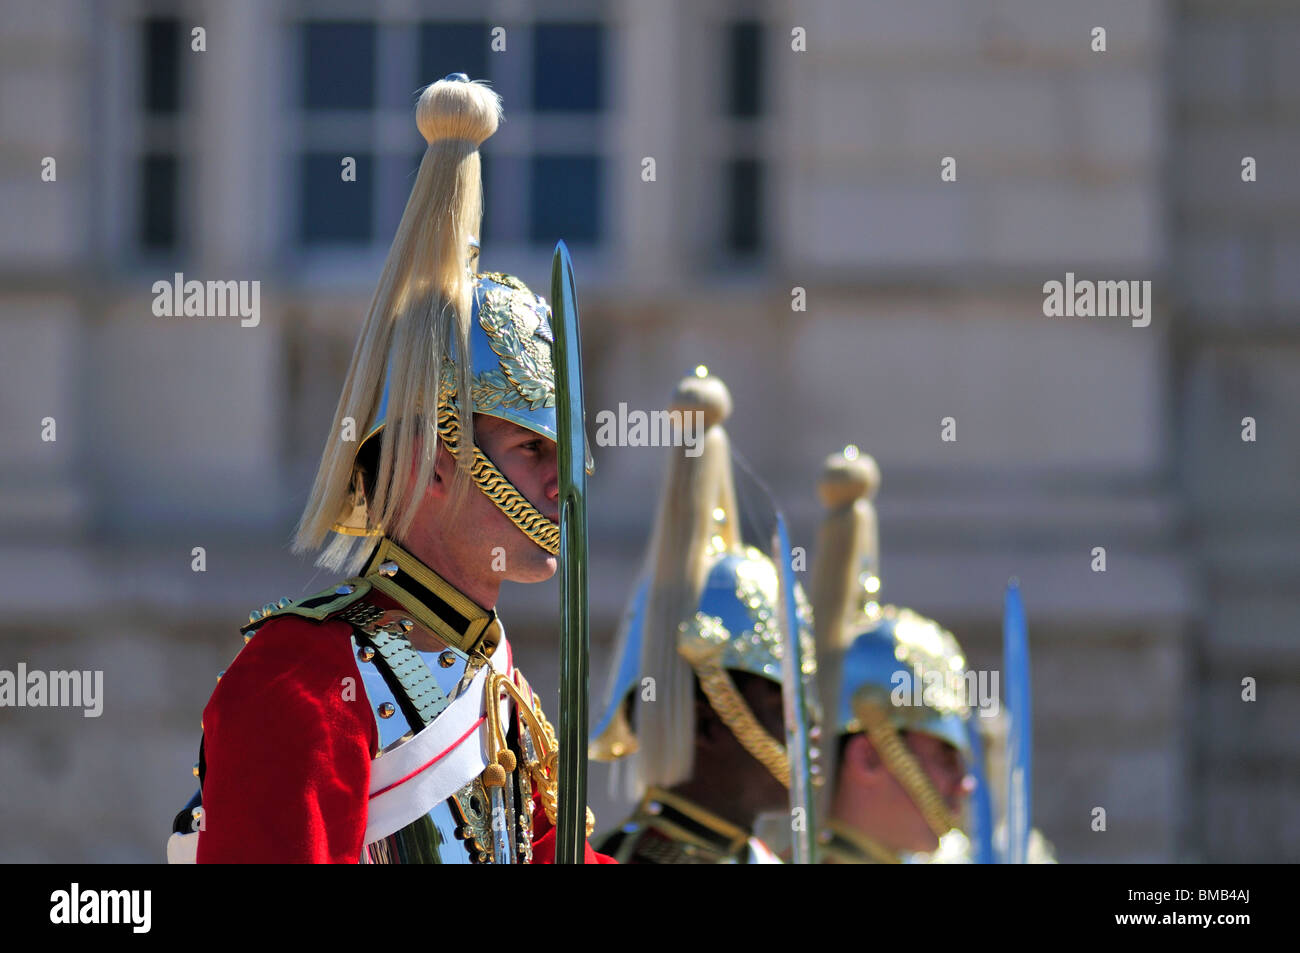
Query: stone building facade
{"points": [[774, 168]]}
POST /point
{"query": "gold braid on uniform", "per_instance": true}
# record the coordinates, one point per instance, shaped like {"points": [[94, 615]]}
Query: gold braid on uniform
{"points": [[544, 771], [903, 765], [721, 692], [530, 520]]}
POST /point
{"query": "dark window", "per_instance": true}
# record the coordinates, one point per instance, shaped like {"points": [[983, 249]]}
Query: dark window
{"points": [[447, 48], [159, 196], [744, 204], [567, 67], [338, 65], [505, 186], [162, 60], [394, 180], [744, 69], [565, 202], [332, 210]]}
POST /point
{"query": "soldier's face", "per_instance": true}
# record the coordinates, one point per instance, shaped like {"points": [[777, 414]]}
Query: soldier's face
{"points": [[472, 543], [765, 701], [943, 764], [879, 806], [733, 775], [530, 462]]}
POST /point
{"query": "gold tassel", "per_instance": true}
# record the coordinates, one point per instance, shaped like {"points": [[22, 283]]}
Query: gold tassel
{"points": [[545, 770]]}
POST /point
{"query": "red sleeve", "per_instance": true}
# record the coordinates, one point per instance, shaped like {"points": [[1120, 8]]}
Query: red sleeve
{"points": [[287, 748], [544, 846]]}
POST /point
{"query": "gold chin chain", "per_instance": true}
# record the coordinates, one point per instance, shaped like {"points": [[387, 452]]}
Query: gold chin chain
{"points": [[721, 692], [545, 769], [530, 520], [904, 766]]}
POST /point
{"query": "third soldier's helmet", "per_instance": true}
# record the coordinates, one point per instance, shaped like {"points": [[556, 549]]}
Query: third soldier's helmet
{"points": [[885, 669]]}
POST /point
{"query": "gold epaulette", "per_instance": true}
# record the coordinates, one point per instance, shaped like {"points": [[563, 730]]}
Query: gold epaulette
{"points": [[670, 829], [318, 608]]}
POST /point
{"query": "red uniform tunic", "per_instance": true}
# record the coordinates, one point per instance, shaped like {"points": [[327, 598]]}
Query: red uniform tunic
{"points": [[288, 749]]}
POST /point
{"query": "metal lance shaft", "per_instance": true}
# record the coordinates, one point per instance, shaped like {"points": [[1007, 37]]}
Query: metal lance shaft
{"points": [[803, 822], [574, 635]]}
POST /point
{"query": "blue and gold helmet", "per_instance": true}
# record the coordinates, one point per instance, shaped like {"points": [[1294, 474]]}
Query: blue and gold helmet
{"points": [[901, 653], [707, 605], [510, 354], [886, 669], [512, 378], [738, 615], [511, 371]]}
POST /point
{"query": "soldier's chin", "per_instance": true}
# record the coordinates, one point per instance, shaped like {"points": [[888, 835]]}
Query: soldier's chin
{"points": [[540, 567]]}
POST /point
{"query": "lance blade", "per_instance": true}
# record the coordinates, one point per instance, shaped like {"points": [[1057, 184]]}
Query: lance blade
{"points": [[981, 798], [574, 635], [794, 696], [1015, 656]]}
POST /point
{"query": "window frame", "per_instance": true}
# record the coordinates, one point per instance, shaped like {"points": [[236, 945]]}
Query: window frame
{"points": [[524, 136]]}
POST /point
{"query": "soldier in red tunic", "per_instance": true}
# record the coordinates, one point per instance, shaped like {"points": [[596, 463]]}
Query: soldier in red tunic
{"points": [[383, 720]]}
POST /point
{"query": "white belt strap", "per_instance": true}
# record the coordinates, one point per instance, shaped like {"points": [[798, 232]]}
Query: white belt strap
{"points": [[446, 755]]}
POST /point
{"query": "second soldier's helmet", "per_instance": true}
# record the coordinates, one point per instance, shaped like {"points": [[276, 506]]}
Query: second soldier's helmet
{"points": [[885, 669], [706, 607]]}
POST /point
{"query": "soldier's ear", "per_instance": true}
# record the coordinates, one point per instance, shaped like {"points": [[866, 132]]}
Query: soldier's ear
{"points": [[444, 468]]}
